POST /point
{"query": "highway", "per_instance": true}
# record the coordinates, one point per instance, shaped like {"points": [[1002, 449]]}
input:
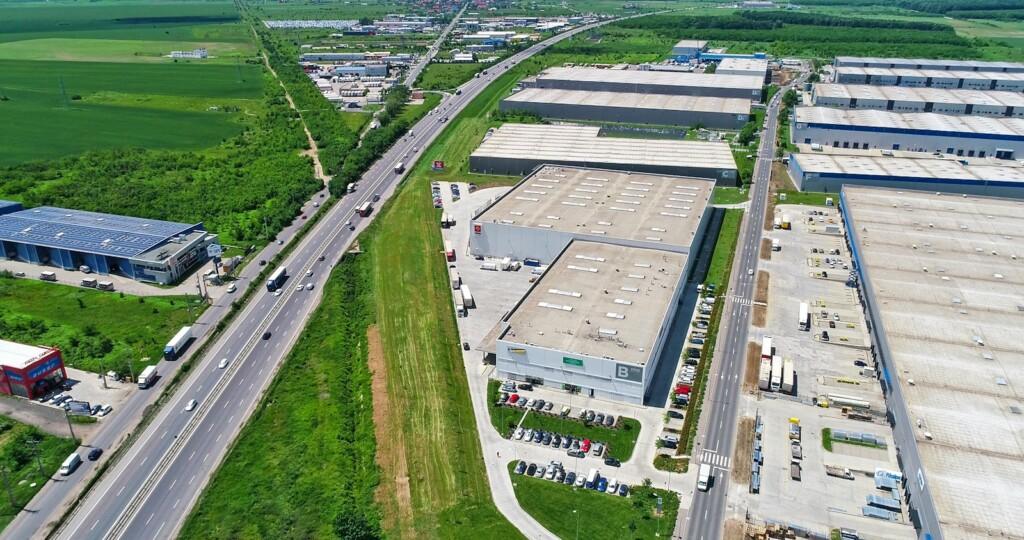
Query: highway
{"points": [[149, 492], [716, 434]]}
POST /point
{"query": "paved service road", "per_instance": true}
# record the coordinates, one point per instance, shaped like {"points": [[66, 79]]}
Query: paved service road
{"points": [[150, 490], [418, 68], [718, 423]]}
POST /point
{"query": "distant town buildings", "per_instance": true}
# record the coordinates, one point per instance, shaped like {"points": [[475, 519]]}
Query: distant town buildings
{"points": [[198, 54]]}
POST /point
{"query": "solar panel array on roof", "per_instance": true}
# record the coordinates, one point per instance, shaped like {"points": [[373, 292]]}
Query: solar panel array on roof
{"points": [[885, 503], [878, 513], [90, 232]]}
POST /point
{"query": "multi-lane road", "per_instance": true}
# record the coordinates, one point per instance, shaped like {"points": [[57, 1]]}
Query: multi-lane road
{"points": [[150, 490], [716, 435]]}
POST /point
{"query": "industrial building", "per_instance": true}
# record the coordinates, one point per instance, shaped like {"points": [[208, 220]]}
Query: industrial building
{"points": [[517, 149], [29, 371], [941, 286], [595, 322], [931, 78], [548, 209], [904, 99], [967, 136], [751, 67], [931, 64], [829, 173], [659, 109], [689, 49], [141, 249], [649, 82]]}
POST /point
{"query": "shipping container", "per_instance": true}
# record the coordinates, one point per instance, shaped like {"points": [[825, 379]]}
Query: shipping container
{"points": [[788, 376], [766, 347]]}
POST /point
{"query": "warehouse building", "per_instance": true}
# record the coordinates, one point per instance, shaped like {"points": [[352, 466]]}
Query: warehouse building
{"points": [[941, 283], [968, 136], [29, 371], [518, 149], [689, 49], [931, 78], [595, 322], [538, 217], [650, 82], [930, 64], [829, 173], [751, 67], [659, 109], [141, 249], [904, 99]]}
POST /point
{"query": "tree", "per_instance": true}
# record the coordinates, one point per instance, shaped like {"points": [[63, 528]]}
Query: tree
{"points": [[353, 526], [789, 98], [711, 68]]}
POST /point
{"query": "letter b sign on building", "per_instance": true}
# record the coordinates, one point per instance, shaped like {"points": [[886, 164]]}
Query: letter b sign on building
{"points": [[629, 373]]}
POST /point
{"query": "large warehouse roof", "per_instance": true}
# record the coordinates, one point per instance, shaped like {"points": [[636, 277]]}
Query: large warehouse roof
{"points": [[664, 78], [629, 100], [900, 167], [691, 44], [928, 63], [930, 73], [919, 95], [555, 143], [600, 300], [952, 125], [18, 355], [744, 64], [90, 232], [631, 206], [943, 273]]}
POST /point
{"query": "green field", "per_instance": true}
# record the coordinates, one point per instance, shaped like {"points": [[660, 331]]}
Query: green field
{"points": [[812, 198], [19, 446], [725, 248], [92, 328], [730, 195], [570, 512], [121, 50], [303, 467], [447, 76]]}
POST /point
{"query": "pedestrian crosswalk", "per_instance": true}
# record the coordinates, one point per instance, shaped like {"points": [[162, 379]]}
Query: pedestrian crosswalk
{"points": [[741, 300], [716, 460]]}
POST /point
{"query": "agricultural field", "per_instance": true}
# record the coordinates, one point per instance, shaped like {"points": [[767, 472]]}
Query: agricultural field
{"points": [[97, 331], [22, 470], [440, 76]]}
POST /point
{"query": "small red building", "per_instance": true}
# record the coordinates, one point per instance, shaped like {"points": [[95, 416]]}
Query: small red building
{"points": [[29, 371]]}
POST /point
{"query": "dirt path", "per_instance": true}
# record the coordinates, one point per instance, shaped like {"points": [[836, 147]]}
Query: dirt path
{"points": [[393, 490], [314, 150]]}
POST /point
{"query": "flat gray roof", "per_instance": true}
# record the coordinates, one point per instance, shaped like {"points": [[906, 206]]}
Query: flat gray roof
{"points": [[569, 310], [745, 64], [966, 64], [932, 73], [691, 44], [631, 206], [918, 121], [946, 277], [919, 95], [640, 77], [546, 142], [630, 100], [923, 168]]}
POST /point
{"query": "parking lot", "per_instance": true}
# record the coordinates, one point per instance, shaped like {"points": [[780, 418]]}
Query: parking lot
{"points": [[833, 389], [592, 478]]}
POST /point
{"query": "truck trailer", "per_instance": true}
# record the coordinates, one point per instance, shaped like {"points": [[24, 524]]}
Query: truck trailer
{"points": [[147, 377], [804, 319], [788, 376], [766, 347], [764, 379], [456, 279], [776, 381], [467, 297], [449, 251], [178, 343], [776, 244]]}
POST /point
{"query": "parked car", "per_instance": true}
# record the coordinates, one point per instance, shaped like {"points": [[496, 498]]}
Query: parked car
{"points": [[541, 471], [597, 449], [550, 475], [532, 402], [860, 363], [560, 476], [95, 454], [106, 410], [539, 405], [566, 442], [612, 462], [548, 406], [531, 469], [538, 436], [525, 386], [623, 490], [513, 398], [576, 453], [580, 481], [520, 467], [546, 440], [602, 484], [528, 436], [518, 434], [570, 478], [556, 440], [599, 419], [585, 446], [590, 416]]}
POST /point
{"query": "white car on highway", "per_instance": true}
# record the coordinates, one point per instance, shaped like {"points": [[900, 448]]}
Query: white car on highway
{"points": [[223, 363], [191, 405]]}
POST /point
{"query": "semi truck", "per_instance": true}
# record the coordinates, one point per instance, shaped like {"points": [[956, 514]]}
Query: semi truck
{"points": [[840, 399], [365, 209], [786, 223], [48, 276], [147, 377], [776, 244], [178, 343], [804, 319], [788, 376], [838, 472], [766, 347], [776, 381], [456, 279], [399, 167], [105, 285], [704, 477], [764, 379], [277, 279], [467, 297]]}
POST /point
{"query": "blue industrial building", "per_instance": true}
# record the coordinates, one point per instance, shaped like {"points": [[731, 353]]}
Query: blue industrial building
{"points": [[141, 249]]}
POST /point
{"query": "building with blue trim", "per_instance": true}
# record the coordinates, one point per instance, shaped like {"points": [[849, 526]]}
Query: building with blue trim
{"points": [[967, 136], [830, 172], [929, 63], [689, 49], [931, 78], [141, 249]]}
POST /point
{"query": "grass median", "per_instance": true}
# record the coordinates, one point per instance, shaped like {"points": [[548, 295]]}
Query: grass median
{"points": [[29, 458]]}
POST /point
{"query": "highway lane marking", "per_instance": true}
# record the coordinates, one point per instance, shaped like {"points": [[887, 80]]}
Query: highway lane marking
{"points": [[160, 529], [231, 419], [150, 518], [94, 525], [175, 504], [192, 456], [254, 384], [207, 456], [261, 369], [219, 435], [164, 434], [143, 462], [120, 491], [209, 429], [191, 479]]}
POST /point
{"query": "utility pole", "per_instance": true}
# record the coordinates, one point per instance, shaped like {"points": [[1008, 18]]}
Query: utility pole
{"points": [[103, 375], [34, 444], [71, 429], [7, 484], [130, 372]]}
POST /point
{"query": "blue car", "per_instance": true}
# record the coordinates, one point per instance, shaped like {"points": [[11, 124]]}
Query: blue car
{"points": [[623, 490], [602, 484]]}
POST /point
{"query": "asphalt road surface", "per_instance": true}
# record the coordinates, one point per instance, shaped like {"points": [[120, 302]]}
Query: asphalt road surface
{"points": [[415, 70], [718, 425], [150, 490]]}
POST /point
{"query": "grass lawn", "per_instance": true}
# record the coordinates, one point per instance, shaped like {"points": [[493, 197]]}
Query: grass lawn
{"points": [[725, 247], [812, 198], [827, 441], [356, 121], [566, 511], [121, 50], [306, 457], [620, 441], [92, 328], [447, 76], [730, 195], [16, 443]]}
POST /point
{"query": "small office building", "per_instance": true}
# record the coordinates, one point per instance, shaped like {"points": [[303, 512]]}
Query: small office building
{"points": [[518, 149], [689, 49], [595, 322], [141, 249], [931, 78], [632, 108], [967, 136], [676, 83], [906, 99], [929, 63], [29, 371]]}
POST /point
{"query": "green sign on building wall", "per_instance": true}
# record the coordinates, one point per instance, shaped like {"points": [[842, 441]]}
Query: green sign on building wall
{"points": [[572, 361]]}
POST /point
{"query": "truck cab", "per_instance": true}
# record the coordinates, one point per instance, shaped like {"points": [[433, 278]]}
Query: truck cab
{"points": [[704, 477]]}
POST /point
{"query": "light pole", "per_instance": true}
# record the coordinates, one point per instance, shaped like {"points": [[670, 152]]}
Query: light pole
{"points": [[68, 418], [577, 524]]}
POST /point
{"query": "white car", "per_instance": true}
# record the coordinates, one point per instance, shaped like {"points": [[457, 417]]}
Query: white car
{"points": [[105, 410], [298, 287], [309, 273], [750, 271], [191, 405], [223, 363], [278, 292], [309, 286], [519, 434], [232, 288]]}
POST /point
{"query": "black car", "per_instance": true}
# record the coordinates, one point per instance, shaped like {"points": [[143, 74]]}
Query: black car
{"points": [[547, 439], [860, 363], [95, 409], [525, 386], [95, 454], [376, 197], [321, 258], [570, 479], [266, 335], [263, 263], [521, 467], [566, 442], [465, 345], [538, 436], [556, 441], [612, 462], [532, 468]]}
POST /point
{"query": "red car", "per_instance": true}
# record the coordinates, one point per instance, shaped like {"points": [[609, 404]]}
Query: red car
{"points": [[682, 389], [513, 398], [585, 447]]}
